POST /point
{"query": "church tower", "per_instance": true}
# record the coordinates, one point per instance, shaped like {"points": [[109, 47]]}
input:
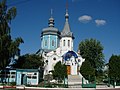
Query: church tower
{"points": [[50, 37], [66, 42]]}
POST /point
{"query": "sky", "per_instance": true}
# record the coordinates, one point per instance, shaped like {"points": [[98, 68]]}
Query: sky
{"points": [[98, 19]]}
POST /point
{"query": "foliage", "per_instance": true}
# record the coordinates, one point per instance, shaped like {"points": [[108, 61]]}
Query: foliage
{"points": [[87, 71], [92, 51], [8, 47], [114, 67], [60, 71], [29, 61], [13, 83], [100, 76], [48, 77]]}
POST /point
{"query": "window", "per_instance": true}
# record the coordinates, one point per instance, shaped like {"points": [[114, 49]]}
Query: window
{"points": [[45, 42], [63, 42], [79, 60], [12, 72], [29, 76], [34, 77], [68, 43], [12, 76], [52, 42], [54, 58], [35, 73]]}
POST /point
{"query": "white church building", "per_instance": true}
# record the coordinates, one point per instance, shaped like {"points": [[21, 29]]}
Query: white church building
{"points": [[58, 46]]}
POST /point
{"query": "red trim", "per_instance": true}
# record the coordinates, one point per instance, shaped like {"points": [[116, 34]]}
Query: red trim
{"points": [[9, 86]]}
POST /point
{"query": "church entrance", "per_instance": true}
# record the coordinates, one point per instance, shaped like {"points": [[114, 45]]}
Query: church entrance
{"points": [[68, 69]]}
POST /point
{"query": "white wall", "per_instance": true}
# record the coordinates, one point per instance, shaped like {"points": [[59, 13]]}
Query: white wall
{"points": [[64, 44]]}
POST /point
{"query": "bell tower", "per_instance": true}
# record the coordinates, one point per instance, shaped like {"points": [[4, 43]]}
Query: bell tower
{"points": [[66, 41]]}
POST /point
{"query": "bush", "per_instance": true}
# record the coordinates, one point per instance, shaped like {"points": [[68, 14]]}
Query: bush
{"points": [[13, 83]]}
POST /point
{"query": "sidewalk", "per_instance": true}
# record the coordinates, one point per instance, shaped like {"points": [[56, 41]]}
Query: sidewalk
{"points": [[41, 88]]}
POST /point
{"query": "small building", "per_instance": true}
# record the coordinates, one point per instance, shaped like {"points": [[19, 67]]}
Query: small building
{"points": [[8, 76], [27, 77]]}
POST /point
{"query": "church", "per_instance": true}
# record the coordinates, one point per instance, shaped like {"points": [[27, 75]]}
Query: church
{"points": [[58, 46]]}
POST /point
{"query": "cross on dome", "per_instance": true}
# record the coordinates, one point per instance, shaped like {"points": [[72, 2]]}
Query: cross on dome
{"points": [[66, 30], [51, 20]]}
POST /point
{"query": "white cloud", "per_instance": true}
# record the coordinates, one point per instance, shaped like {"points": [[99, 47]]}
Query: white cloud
{"points": [[85, 18], [100, 22]]}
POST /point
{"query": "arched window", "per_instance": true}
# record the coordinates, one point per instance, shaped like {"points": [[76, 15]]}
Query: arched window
{"points": [[54, 58], [63, 42], [53, 42], [68, 43], [45, 42]]}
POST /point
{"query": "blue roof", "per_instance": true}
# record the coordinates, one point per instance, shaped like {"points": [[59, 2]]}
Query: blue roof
{"points": [[69, 54]]}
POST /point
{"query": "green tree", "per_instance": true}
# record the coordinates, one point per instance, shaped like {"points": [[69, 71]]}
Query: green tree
{"points": [[29, 61], [8, 47], [60, 71], [114, 67], [87, 71], [92, 51]]}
